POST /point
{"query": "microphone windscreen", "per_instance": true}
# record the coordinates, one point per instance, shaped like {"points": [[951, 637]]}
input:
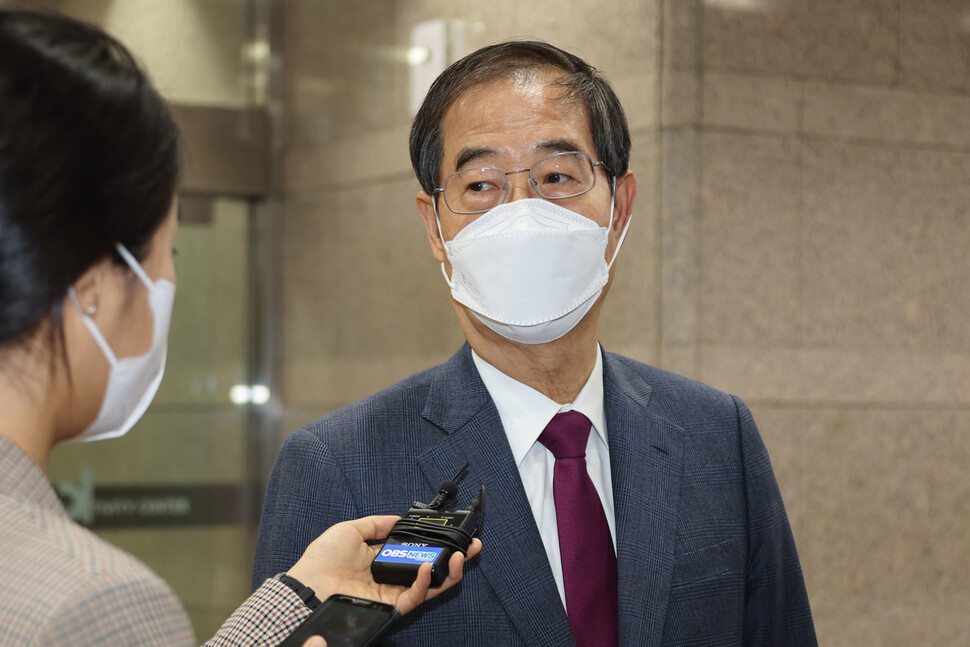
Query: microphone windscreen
{"points": [[449, 488]]}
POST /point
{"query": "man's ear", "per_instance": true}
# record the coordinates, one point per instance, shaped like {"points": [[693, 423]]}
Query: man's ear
{"points": [[425, 204], [625, 194]]}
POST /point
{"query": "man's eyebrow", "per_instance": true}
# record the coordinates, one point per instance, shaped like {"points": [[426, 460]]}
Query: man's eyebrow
{"points": [[558, 146], [468, 155]]}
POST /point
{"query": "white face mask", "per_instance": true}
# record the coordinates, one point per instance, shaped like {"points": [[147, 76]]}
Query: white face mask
{"points": [[530, 269], [132, 381]]}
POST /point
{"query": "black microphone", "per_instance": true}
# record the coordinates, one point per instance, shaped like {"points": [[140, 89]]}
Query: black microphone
{"points": [[429, 532], [446, 493]]}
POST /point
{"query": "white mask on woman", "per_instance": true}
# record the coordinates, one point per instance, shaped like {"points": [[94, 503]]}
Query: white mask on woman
{"points": [[132, 381], [530, 269]]}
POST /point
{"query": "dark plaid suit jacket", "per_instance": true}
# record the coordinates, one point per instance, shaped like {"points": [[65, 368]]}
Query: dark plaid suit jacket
{"points": [[705, 551]]}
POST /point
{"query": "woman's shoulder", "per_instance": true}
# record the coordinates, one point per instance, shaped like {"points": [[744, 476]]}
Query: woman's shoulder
{"points": [[63, 583]]}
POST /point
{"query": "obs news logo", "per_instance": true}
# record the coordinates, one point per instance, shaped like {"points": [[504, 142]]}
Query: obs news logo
{"points": [[410, 554]]}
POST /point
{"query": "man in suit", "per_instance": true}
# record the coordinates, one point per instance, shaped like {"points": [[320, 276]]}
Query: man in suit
{"points": [[625, 505]]}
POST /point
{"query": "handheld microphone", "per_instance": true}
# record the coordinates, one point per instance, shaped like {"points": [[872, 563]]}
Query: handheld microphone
{"points": [[429, 532]]}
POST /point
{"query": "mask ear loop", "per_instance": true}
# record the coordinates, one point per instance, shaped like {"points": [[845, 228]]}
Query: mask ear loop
{"points": [[441, 237], [619, 243], [93, 328], [135, 266]]}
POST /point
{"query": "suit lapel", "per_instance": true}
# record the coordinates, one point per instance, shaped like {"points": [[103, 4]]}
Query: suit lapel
{"points": [[646, 459], [514, 562]]}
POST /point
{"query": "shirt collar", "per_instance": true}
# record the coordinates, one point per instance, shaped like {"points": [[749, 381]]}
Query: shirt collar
{"points": [[525, 412]]}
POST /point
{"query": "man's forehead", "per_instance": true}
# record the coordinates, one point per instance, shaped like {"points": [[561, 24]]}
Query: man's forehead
{"points": [[529, 109], [532, 80], [537, 84]]}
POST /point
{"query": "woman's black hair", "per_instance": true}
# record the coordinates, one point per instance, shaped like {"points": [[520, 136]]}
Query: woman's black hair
{"points": [[89, 156]]}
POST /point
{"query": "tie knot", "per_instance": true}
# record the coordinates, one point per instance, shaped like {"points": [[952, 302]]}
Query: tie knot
{"points": [[566, 435]]}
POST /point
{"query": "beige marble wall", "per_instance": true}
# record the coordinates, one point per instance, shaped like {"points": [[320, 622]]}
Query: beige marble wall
{"points": [[193, 49], [799, 240], [815, 165]]}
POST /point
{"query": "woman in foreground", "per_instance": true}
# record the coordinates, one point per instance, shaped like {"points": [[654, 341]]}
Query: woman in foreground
{"points": [[89, 163]]}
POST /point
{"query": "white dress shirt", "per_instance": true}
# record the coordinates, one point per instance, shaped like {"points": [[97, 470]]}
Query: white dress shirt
{"points": [[525, 412]]}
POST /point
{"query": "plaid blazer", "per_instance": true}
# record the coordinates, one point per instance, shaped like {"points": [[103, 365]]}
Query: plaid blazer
{"points": [[705, 554], [62, 585]]}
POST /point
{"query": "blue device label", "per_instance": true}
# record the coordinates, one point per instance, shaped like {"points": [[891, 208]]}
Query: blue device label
{"points": [[408, 554]]}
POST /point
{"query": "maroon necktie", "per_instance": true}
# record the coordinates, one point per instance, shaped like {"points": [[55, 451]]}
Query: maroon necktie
{"points": [[585, 545]]}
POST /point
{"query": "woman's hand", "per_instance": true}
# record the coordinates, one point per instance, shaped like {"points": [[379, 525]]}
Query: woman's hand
{"points": [[338, 561]]}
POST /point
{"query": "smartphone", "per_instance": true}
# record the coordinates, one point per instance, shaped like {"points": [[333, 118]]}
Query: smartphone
{"points": [[346, 621]]}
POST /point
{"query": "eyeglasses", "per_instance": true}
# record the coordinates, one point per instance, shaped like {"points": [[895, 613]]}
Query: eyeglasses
{"points": [[554, 177]]}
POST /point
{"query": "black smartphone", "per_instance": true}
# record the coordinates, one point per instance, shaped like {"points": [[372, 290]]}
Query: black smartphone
{"points": [[346, 621]]}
